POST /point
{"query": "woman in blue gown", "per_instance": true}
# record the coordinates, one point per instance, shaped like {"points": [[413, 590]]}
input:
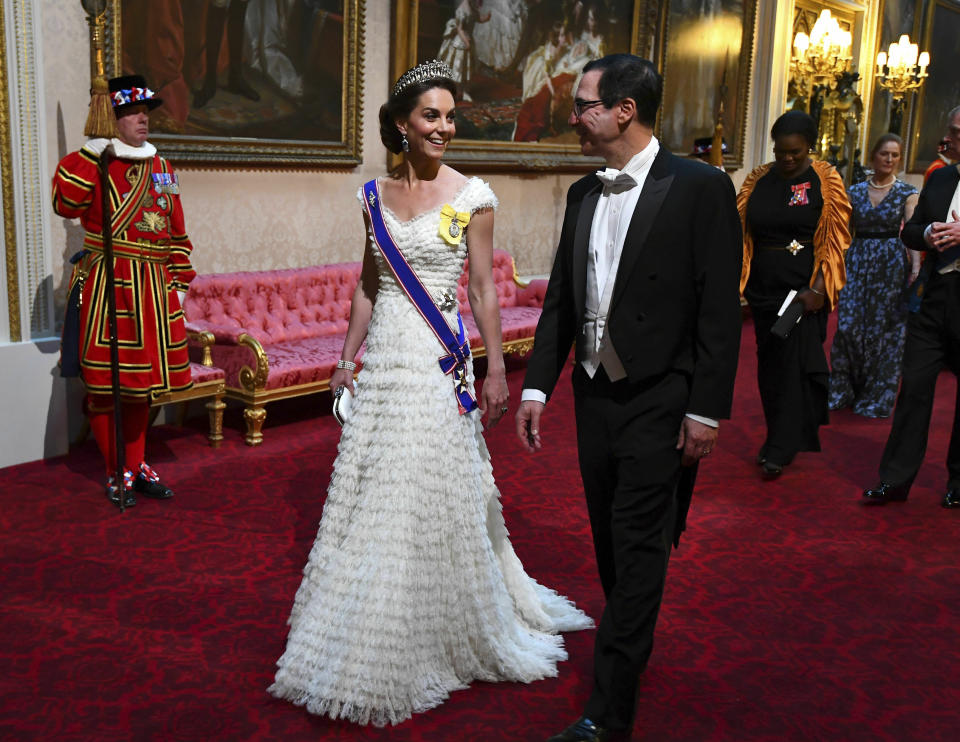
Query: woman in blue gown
{"points": [[871, 325]]}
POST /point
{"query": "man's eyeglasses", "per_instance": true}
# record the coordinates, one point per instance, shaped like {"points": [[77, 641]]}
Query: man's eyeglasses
{"points": [[579, 106]]}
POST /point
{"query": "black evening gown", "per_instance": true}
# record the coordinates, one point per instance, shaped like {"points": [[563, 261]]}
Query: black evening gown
{"points": [[792, 373]]}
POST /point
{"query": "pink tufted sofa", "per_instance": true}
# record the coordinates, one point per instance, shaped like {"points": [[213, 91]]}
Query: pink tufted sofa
{"points": [[278, 334]]}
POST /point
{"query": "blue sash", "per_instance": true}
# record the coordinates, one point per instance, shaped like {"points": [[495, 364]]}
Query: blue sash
{"points": [[458, 347]]}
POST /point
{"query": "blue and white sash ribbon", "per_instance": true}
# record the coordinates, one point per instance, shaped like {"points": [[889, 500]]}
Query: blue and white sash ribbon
{"points": [[458, 346]]}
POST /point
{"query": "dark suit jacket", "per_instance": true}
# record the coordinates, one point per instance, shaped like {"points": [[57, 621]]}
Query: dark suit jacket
{"points": [[676, 300], [931, 207]]}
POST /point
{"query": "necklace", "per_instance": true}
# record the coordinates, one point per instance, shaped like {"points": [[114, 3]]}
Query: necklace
{"points": [[874, 184]]}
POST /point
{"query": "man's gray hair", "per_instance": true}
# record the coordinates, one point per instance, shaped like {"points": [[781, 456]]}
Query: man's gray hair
{"points": [[953, 114]]}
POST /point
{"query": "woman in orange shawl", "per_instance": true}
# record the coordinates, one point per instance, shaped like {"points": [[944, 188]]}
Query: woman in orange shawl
{"points": [[795, 216]]}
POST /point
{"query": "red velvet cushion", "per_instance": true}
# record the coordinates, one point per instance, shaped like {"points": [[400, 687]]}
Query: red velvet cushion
{"points": [[302, 362], [276, 306], [201, 373]]}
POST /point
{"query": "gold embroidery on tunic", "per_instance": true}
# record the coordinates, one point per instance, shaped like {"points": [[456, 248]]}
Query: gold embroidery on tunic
{"points": [[152, 222]]}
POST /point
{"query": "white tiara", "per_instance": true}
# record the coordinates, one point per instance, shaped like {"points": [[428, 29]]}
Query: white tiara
{"points": [[424, 71]]}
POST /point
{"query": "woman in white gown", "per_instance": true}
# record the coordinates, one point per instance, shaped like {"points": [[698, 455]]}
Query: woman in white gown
{"points": [[412, 589]]}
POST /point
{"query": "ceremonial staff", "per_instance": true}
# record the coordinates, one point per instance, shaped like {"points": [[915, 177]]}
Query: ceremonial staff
{"points": [[101, 122]]}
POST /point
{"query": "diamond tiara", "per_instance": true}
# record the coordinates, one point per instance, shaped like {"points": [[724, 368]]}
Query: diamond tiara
{"points": [[424, 71]]}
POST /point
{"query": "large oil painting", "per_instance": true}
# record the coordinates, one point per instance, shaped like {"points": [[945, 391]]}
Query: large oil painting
{"points": [[706, 68], [247, 81], [518, 62]]}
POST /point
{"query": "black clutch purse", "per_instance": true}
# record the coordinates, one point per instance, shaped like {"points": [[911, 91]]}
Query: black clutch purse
{"points": [[790, 313]]}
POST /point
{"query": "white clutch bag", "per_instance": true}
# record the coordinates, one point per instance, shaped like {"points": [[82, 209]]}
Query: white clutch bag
{"points": [[342, 402]]}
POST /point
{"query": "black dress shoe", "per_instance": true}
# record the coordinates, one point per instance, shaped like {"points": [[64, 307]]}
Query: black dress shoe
{"points": [[884, 493], [148, 488], [584, 730], [951, 499], [770, 470], [128, 497]]}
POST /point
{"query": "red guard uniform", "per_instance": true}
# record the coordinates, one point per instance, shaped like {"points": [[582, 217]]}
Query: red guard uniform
{"points": [[152, 263]]}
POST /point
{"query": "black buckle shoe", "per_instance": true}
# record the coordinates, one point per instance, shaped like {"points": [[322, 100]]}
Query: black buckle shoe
{"points": [[582, 730], [113, 492], [156, 490], [148, 484], [951, 499], [884, 493]]}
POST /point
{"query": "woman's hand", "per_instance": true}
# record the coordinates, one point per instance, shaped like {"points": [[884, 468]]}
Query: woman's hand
{"points": [[342, 377], [811, 300], [494, 397]]}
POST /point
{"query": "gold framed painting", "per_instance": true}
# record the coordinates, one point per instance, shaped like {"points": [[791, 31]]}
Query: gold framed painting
{"points": [[246, 82], [706, 64], [517, 64]]}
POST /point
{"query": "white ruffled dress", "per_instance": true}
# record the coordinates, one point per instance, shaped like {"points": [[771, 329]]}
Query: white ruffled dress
{"points": [[412, 588]]}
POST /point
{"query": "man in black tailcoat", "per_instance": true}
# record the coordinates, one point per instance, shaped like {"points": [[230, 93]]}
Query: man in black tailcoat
{"points": [[646, 282], [933, 338]]}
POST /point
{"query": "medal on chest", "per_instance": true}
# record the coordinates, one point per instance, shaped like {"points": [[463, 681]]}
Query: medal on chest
{"points": [[799, 197], [166, 183], [452, 224]]}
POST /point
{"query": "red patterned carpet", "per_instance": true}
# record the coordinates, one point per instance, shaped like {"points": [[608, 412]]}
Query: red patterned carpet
{"points": [[792, 613]]}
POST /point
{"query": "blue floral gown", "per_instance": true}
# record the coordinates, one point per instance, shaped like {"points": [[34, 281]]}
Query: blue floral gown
{"points": [[867, 348]]}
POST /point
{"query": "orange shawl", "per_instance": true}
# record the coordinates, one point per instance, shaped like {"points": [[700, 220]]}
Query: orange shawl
{"points": [[831, 239]]}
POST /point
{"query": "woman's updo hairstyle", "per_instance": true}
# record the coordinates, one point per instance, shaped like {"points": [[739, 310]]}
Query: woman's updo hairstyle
{"points": [[403, 99], [795, 122]]}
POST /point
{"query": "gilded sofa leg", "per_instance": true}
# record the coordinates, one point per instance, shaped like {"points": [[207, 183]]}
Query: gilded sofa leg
{"points": [[215, 408], [254, 416]]}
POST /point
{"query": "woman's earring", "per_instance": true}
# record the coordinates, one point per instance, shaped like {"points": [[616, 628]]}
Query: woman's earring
{"points": [[404, 144]]}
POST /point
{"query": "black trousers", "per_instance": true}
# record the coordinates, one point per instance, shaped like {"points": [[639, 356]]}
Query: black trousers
{"points": [[933, 343], [626, 436]]}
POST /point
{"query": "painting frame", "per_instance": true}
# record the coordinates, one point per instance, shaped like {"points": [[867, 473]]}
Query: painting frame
{"points": [[343, 151], [499, 155], [737, 89], [926, 126], [648, 38]]}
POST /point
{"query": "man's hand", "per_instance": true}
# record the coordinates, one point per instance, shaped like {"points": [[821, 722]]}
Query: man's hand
{"points": [[944, 235], [528, 424], [696, 440]]}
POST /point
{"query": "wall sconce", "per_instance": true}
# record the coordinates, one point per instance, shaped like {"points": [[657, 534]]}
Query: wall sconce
{"points": [[906, 70]]}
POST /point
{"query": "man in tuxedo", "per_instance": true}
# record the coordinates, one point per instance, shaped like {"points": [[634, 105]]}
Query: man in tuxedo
{"points": [[933, 338], [646, 282]]}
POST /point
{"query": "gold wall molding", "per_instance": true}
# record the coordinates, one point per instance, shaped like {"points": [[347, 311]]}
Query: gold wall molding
{"points": [[9, 224], [30, 289]]}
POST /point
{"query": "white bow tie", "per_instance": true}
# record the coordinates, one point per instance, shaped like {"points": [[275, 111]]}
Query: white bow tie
{"points": [[610, 178]]}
